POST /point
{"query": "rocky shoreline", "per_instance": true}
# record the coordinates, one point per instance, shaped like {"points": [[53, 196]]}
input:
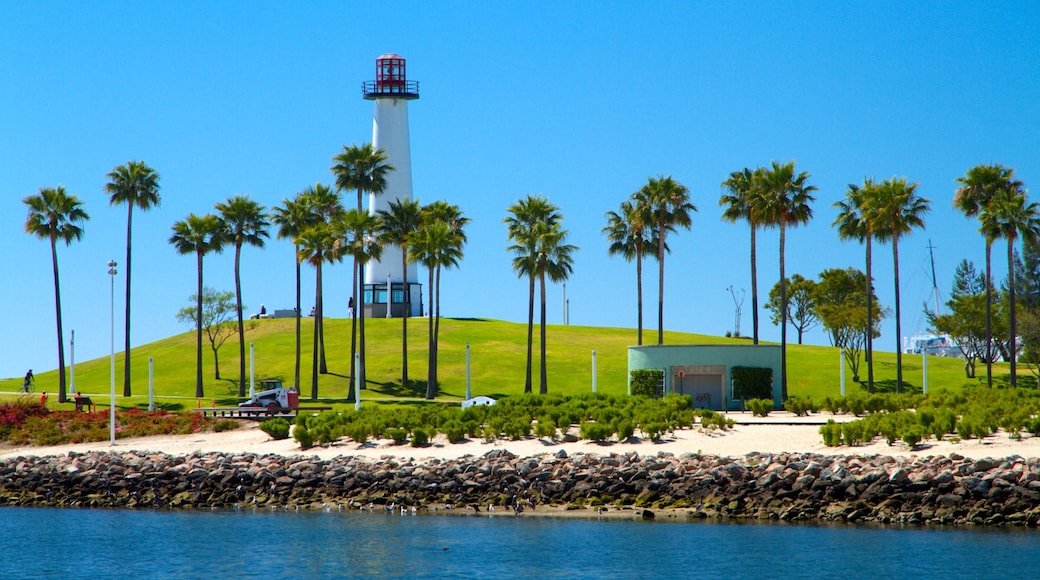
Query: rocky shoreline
{"points": [[947, 490]]}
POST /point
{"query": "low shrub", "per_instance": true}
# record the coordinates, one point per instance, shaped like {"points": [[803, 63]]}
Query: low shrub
{"points": [[800, 406], [398, 435], [624, 428], [759, 407], [222, 425], [276, 428], [420, 437], [358, 431], [545, 427], [455, 431], [831, 433], [595, 431]]}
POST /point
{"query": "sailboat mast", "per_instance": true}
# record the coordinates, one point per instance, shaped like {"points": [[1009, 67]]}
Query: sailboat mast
{"points": [[935, 285]]}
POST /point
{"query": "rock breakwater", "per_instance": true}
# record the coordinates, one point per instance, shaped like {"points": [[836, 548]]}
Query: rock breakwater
{"points": [[785, 486]]}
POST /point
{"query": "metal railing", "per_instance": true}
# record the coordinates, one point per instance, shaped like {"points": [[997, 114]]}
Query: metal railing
{"points": [[404, 88]]}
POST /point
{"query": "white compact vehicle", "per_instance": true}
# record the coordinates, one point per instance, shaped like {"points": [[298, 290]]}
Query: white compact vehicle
{"points": [[274, 398]]}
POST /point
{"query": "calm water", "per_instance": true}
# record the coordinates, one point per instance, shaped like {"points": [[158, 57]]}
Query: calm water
{"points": [[100, 544]]}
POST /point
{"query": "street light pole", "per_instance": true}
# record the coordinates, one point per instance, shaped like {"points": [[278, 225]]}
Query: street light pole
{"points": [[112, 349]]}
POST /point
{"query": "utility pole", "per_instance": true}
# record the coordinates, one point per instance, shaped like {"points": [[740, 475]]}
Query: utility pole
{"points": [[738, 303]]}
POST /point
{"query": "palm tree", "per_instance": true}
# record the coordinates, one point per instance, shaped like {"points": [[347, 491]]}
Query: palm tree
{"points": [[978, 187], [400, 224], [134, 184], [292, 218], [317, 245], [895, 211], [853, 225], [522, 228], [631, 237], [245, 222], [738, 203], [668, 202], [324, 207], [553, 259], [358, 235], [436, 245], [784, 202], [199, 235], [364, 169], [1010, 215], [55, 215]]}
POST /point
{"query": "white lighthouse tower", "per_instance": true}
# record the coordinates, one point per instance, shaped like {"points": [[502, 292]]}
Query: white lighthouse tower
{"points": [[385, 292]]}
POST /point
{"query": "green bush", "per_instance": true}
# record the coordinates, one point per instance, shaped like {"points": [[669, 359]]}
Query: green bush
{"points": [[419, 437], [624, 428], [398, 435], [913, 435], [546, 427], [647, 382], [752, 383], [831, 433], [277, 428], [800, 406], [759, 407], [358, 431], [595, 431], [856, 405], [222, 425], [454, 431], [654, 430], [852, 432], [302, 435]]}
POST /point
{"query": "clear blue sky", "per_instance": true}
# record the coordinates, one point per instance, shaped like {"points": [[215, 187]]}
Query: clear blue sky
{"points": [[578, 101]]}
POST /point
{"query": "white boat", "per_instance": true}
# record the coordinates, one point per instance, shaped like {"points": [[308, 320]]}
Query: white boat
{"points": [[932, 345]]}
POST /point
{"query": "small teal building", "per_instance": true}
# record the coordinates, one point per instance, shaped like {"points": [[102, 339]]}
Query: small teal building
{"points": [[703, 371]]}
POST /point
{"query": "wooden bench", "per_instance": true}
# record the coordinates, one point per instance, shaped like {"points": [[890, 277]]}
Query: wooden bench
{"points": [[81, 402]]}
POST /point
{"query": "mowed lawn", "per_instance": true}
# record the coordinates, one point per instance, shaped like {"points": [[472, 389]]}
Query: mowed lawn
{"points": [[497, 352]]}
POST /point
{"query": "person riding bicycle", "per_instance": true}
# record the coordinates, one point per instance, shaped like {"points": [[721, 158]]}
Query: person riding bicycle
{"points": [[29, 380]]}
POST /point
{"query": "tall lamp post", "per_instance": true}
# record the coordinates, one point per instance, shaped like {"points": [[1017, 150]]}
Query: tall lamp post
{"points": [[112, 346]]}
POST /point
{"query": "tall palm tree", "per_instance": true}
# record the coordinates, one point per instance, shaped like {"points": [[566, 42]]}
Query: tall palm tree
{"points": [[245, 222], [522, 228], [631, 236], [436, 245], [400, 223], [134, 184], [1010, 215], [894, 212], [324, 208], [199, 235], [358, 235], [317, 245], [668, 201], [55, 215], [553, 259], [364, 169], [738, 201], [853, 225], [785, 199], [977, 188], [292, 218]]}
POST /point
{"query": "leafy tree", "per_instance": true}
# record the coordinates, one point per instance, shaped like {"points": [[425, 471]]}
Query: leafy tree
{"points": [[400, 224], [245, 222], [133, 184], [56, 215], [784, 201], [364, 169], [853, 224], [977, 188], [668, 202], [357, 233], [895, 210], [801, 304], [966, 321], [527, 218], [739, 202], [1010, 216], [199, 235], [218, 309], [292, 218], [840, 297], [631, 236]]}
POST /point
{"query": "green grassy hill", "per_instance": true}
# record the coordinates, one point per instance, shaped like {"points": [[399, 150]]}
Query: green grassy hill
{"points": [[497, 355]]}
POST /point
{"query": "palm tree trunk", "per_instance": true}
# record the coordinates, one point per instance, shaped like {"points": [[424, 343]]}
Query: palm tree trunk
{"points": [[543, 386], [198, 333], [754, 286], [1011, 297], [899, 330], [783, 317], [353, 319], [989, 318], [530, 334], [660, 284], [296, 372], [404, 315], [639, 292], [317, 332], [126, 313], [241, 326], [870, 316], [431, 355], [57, 313], [360, 316]]}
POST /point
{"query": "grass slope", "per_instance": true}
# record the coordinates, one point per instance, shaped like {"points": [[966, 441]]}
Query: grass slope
{"points": [[497, 361]]}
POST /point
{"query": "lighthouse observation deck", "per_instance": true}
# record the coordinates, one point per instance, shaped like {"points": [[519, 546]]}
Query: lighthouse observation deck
{"points": [[397, 89]]}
